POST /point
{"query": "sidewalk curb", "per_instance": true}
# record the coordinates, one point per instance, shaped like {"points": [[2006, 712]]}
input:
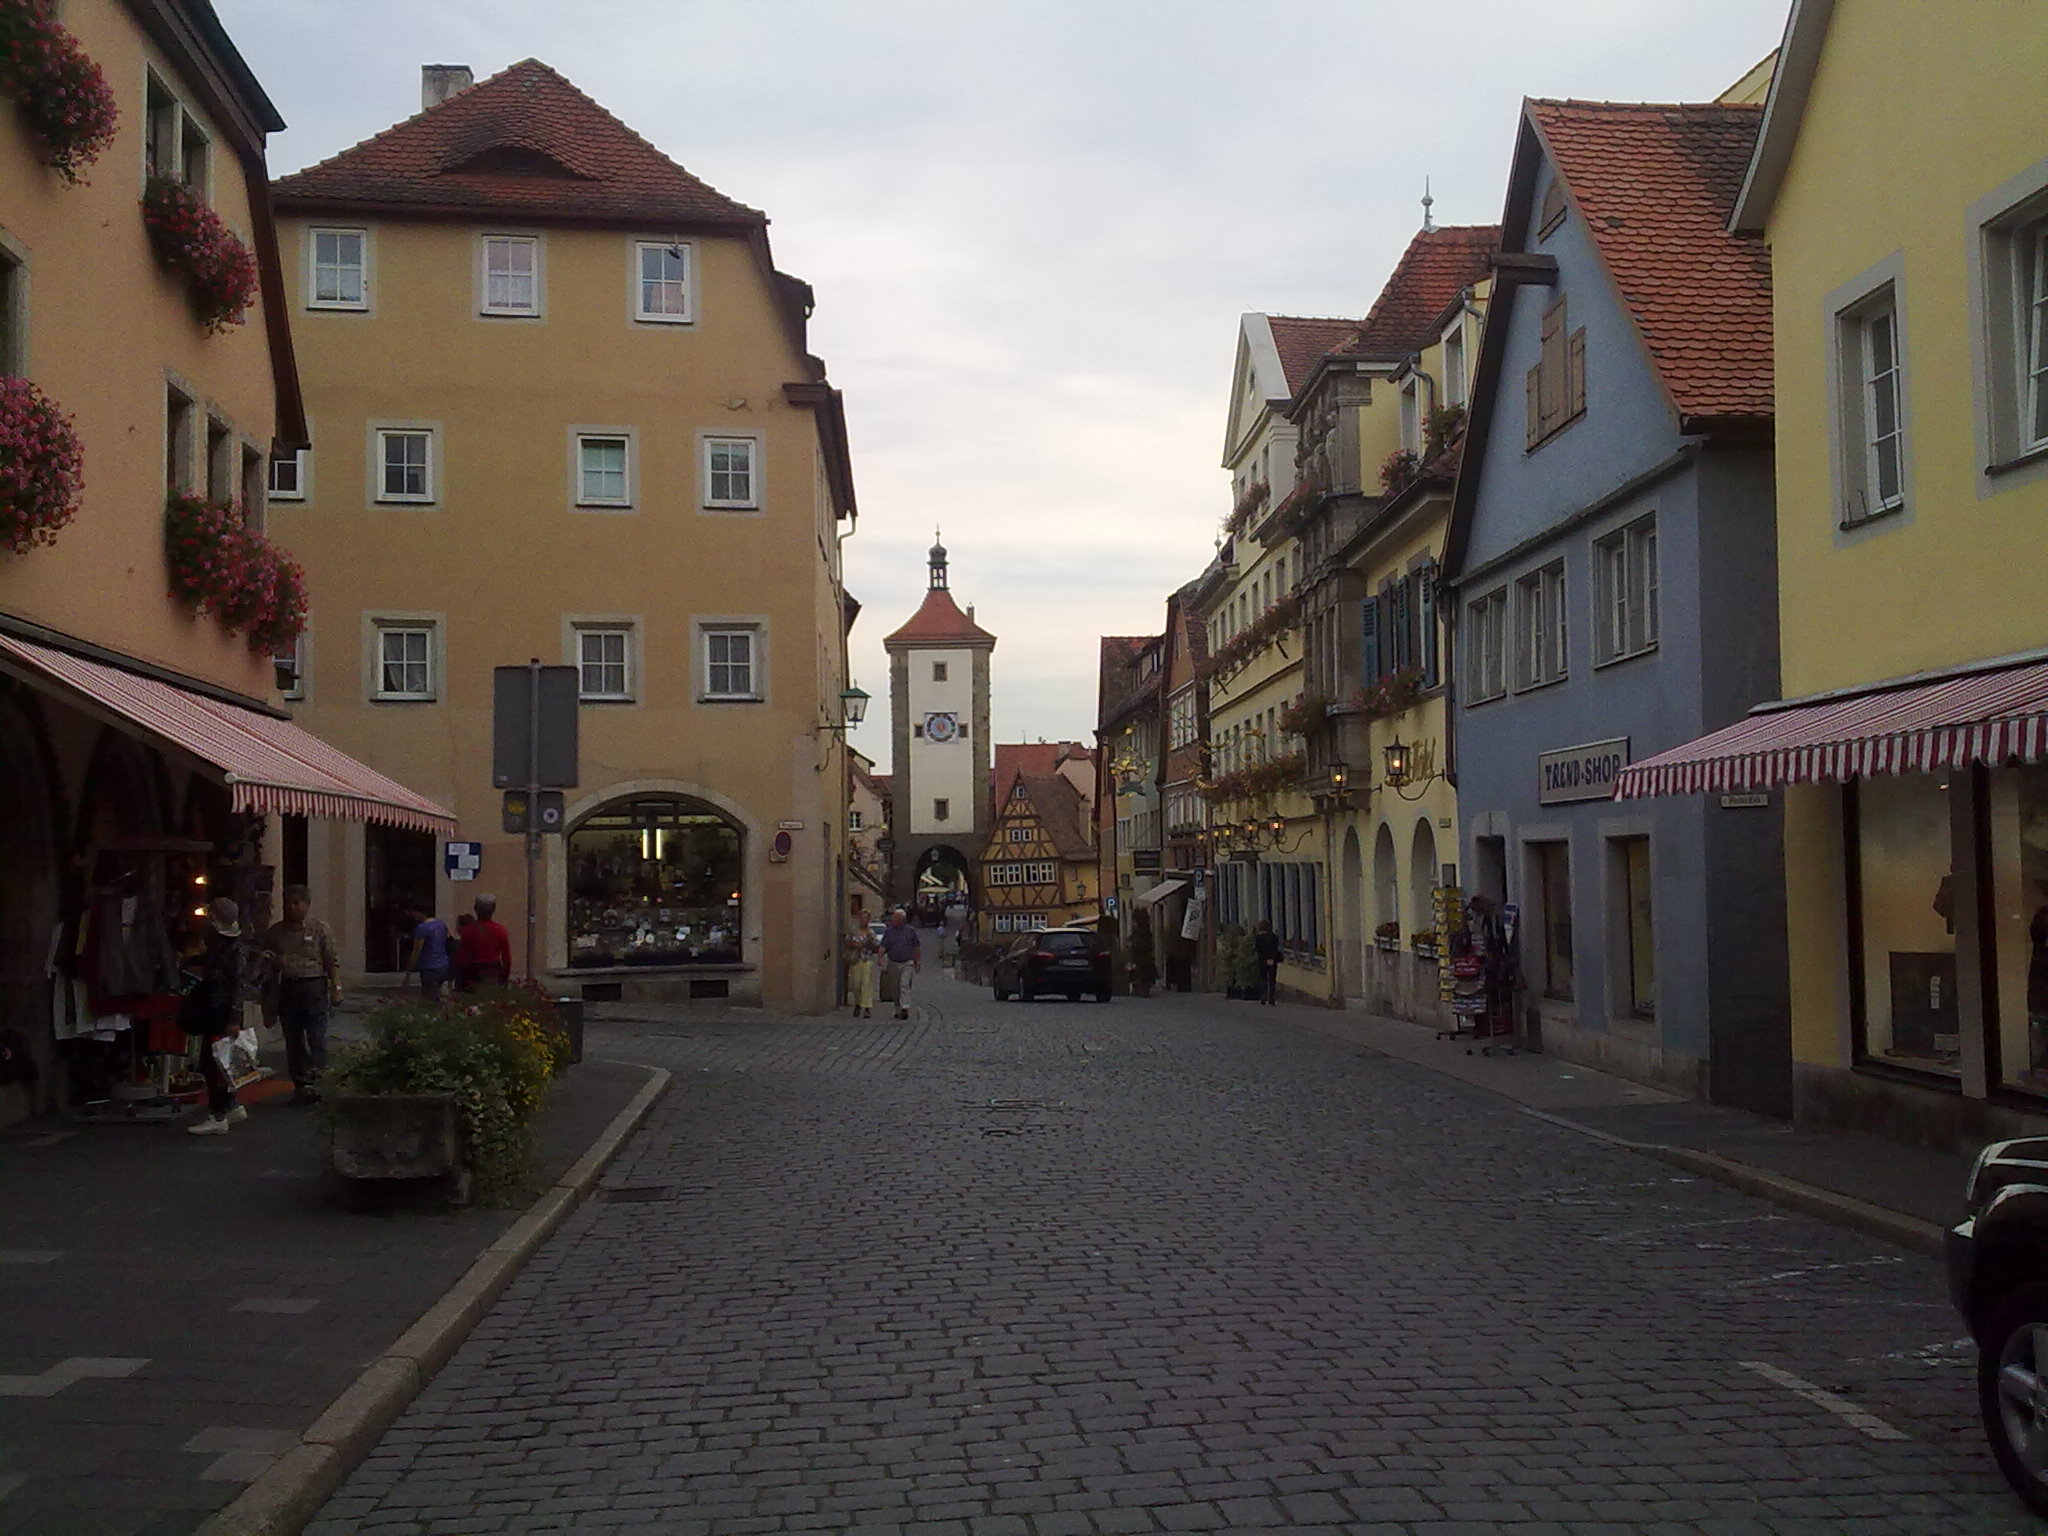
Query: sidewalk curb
{"points": [[1809, 1199], [290, 1492]]}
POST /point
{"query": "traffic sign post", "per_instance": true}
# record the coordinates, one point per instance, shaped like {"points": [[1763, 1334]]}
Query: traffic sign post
{"points": [[533, 758]]}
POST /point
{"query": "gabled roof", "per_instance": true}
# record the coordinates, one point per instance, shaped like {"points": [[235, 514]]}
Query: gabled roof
{"points": [[1438, 265], [939, 621], [1063, 814], [1655, 184], [1797, 62], [523, 141], [1302, 342], [1117, 689], [1033, 760]]}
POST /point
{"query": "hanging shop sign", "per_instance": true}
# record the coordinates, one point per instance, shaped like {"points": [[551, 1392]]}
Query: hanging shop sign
{"points": [[1580, 773]]}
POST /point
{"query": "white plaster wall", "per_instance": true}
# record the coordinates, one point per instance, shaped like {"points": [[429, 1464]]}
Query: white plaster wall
{"points": [[940, 772]]}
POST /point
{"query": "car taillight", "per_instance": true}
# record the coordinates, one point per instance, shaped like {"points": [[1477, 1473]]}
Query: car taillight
{"points": [[1043, 954]]}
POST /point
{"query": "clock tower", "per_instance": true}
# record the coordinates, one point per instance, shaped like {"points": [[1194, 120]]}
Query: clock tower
{"points": [[942, 755]]}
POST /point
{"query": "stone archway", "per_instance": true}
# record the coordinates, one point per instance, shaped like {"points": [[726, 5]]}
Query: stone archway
{"points": [[1386, 879], [1422, 875], [942, 869]]}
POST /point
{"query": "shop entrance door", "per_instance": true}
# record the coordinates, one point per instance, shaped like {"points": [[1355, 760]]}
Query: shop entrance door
{"points": [[398, 873], [28, 915]]}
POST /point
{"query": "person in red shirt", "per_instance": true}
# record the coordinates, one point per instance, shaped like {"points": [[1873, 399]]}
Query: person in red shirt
{"points": [[483, 955]]}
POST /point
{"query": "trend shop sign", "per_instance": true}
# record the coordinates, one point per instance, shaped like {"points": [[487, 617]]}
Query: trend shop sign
{"points": [[1580, 773]]}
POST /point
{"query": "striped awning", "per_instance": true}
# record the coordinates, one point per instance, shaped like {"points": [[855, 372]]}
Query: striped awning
{"points": [[1983, 717], [270, 765]]}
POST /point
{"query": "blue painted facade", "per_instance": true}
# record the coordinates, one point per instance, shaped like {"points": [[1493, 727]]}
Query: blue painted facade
{"points": [[1719, 1021]]}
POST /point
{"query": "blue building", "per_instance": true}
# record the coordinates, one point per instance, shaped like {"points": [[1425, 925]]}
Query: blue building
{"points": [[1611, 576]]}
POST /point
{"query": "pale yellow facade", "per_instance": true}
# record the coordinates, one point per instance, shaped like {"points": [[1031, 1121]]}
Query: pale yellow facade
{"points": [[108, 334], [1899, 183], [511, 555]]}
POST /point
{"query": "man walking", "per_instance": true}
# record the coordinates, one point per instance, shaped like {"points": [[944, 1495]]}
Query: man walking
{"points": [[903, 954], [213, 1011], [483, 955], [305, 980]]}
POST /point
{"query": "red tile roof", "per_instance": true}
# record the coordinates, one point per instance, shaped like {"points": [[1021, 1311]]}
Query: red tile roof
{"points": [[938, 620], [523, 141], [1302, 342], [1655, 184], [1438, 265], [1063, 814]]}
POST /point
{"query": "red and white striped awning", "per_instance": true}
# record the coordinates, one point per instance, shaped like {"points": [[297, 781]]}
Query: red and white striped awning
{"points": [[1982, 717], [271, 765]]}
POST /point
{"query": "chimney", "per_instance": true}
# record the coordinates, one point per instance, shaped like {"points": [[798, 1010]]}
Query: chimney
{"points": [[440, 81]]}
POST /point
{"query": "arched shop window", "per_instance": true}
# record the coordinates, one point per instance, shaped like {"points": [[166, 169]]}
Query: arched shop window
{"points": [[655, 881]]}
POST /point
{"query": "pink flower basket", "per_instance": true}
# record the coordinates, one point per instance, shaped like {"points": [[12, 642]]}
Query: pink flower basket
{"points": [[42, 467], [225, 568], [190, 240], [64, 98]]}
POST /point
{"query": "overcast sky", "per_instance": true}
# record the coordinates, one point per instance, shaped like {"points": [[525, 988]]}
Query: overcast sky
{"points": [[1032, 226]]}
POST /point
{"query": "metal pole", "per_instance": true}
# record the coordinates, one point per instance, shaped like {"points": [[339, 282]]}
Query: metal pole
{"points": [[532, 806]]}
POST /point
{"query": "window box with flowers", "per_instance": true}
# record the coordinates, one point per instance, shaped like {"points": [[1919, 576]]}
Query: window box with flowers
{"points": [[1387, 937], [226, 569], [63, 97], [1398, 470], [42, 467], [1269, 628], [1304, 714], [191, 242], [1247, 506], [1425, 945], [1399, 690], [1258, 782]]}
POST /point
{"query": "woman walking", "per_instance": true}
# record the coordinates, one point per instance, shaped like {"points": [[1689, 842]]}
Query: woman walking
{"points": [[1266, 945], [213, 1011], [860, 972]]}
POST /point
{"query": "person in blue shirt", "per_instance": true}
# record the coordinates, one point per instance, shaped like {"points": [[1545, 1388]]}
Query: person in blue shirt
{"points": [[903, 956], [431, 955]]}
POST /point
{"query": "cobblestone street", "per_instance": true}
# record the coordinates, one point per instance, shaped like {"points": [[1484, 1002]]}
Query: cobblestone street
{"points": [[1178, 1264]]}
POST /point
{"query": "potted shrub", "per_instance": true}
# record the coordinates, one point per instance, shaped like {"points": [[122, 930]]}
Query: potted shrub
{"points": [[447, 1094], [1231, 945]]}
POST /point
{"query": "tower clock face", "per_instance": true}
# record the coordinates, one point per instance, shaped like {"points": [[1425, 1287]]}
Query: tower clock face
{"points": [[944, 727]]}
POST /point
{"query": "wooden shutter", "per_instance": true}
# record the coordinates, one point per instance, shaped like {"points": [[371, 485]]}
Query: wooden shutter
{"points": [[1575, 377], [1431, 649], [1402, 625], [1535, 405], [1369, 641]]}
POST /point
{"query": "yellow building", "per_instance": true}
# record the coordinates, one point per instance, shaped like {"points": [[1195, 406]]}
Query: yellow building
{"points": [[144, 761], [562, 408], [1899, 180]]}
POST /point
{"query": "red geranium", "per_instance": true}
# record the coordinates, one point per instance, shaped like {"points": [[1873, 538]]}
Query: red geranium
{"points": [[190, 239], [42, 467], [220, 564], [62, 94]]}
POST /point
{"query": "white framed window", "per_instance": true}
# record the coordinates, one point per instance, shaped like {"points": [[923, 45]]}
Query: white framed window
{"points": [[1041, 872], [604, 663], [404, 465], [13, 306], [174, 143], [289, 665], [1540, 627], [405, 661], [1454, 363], [732, 472], [731, 664], [1486, 652], [1625, 591], [604, 469], [509, 275], [337, 275], [1869, 388], [662, 287], [288, 476], [1018, 835], [2030, 248], [938, 671], [856, 821], [1411, 415], [2009, 330]]}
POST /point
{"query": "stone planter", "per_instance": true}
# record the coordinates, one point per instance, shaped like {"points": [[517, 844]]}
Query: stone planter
{"points": [[409, 1136]]}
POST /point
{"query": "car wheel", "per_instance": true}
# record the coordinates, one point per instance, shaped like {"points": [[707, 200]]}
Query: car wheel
{"points": [[1001, 995], [2012, 1391], [1102, 997], [1073, 997]]}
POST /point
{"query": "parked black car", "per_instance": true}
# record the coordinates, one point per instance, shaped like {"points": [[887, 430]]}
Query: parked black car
{"points": [[1998, 1276], [1065, 960]]}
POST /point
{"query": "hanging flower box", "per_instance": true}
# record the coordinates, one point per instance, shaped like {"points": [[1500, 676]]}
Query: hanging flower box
{"points": [[42, 467], [225, 568], [1397, 691], [191, 241], [63, 97], [1248, 504], [1397, 469], [1305, 713], [1425, 945]]}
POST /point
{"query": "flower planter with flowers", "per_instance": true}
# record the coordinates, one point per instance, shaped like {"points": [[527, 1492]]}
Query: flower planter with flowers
{"points": [[1425, 945], [1258, 782], [63, 97], [42, 467], [191, 241], [225, 568], [1248, 504], [1303, 714], [1387, 937], [1269, 628], [1398, 469], [1398, 690]]}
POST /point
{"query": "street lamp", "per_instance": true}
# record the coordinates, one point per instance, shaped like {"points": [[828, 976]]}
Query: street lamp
{"points": [[1340, 777], [853, 708], [1397, 763]]}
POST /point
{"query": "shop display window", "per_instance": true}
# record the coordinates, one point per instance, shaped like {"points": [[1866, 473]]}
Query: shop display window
{"points": [[2018, 811], [1903, 928], [655, 881]]}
